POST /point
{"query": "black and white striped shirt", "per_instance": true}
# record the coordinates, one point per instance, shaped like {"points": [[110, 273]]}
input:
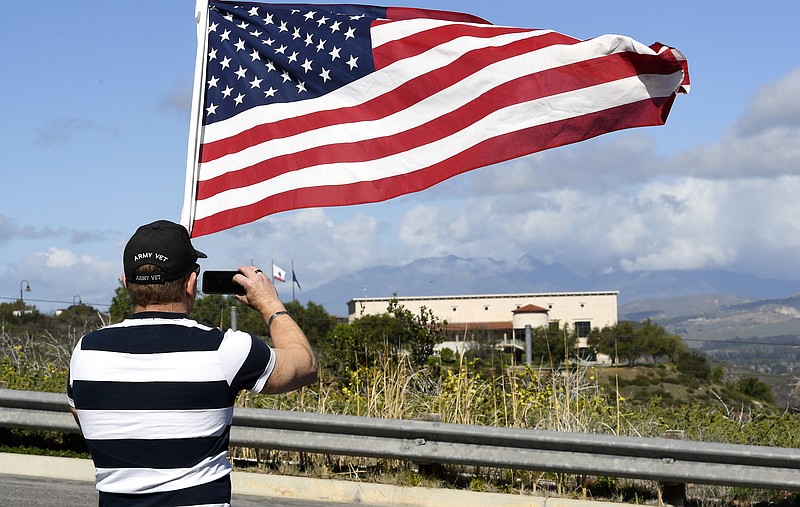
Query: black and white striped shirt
{"points": [[154, 395]]}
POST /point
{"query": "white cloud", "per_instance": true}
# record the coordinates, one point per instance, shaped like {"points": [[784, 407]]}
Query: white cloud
{"points": [[775, 106], [58, 258], [321, 247], [764, 142], [56, 275], [678, 223]]}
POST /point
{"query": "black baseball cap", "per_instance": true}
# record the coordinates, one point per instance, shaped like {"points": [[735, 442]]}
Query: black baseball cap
{"points": [[165, 245]]}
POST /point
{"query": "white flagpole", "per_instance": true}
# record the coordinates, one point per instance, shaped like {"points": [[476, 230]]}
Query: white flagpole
{"points": [[196, 118]]}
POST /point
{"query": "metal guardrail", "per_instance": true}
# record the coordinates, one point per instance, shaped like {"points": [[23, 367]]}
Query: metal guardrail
{"points": [[660, 459]]}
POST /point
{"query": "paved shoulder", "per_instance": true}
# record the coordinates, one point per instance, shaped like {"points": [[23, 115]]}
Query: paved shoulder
{"points": [[22, 491], [39, 492]]}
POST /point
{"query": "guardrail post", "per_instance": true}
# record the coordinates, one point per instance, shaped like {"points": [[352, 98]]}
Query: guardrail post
{"points": [[425, 469], [673, 493]]}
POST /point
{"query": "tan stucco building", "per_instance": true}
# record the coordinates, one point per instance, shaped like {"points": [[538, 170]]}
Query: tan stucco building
{"points": [[505, 315]]}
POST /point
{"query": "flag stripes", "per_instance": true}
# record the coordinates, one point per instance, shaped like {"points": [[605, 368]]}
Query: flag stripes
{"points": [[445, 98]]}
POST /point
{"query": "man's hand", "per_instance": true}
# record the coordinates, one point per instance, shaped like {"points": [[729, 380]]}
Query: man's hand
{"points": [[261, 294]]}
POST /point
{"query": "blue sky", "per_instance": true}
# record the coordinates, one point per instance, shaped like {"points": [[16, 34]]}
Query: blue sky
{"points": [[95, 115]]}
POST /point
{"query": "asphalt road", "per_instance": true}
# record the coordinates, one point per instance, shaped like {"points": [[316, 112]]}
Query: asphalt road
{"points": [[18, 491]]}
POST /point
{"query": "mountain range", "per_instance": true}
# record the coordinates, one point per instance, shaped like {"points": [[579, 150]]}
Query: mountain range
{"points": [[655, 293]]}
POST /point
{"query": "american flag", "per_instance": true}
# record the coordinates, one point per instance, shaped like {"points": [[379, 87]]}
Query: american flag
{"points": [[326, 105]]}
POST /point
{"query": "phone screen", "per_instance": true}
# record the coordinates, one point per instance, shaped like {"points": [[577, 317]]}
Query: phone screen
{"points": [[221, 282]]}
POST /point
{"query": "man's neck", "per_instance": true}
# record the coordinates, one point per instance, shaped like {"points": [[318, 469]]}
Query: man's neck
{"points": [[163, 307]]}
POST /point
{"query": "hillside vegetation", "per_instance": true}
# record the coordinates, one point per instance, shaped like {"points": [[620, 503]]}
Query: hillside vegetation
{"points": [[382, 366]]}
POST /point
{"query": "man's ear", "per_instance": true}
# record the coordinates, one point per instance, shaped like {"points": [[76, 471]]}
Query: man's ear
{"points": [[190, 286], [124, 281]]}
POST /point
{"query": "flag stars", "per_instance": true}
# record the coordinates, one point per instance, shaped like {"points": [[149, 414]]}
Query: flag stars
{"points": [[325, 75], [295, 39]]}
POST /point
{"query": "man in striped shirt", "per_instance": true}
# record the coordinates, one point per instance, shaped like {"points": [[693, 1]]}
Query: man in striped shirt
{"points": [[154, 394]]}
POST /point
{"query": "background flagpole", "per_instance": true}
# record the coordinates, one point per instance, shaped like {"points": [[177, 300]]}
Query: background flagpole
{"points": [[293, 298], [196, 118]]}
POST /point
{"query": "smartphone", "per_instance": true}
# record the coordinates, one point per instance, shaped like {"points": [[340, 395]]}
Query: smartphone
{"points": [[221, 282]]}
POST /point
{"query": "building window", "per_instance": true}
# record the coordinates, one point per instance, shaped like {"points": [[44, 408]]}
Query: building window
{"points": [[583, 328], [454, 308], [583, 304], [486, 308]]}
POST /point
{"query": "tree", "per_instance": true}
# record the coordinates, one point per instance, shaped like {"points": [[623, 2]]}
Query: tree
{"points": [[213, 310], [551, 344], [604, 341], [693, 363], [368, 338], [359, 343], [618, 341], [658, 343], [754, 388], [631, 342], [314, 320], [121, 304], [418, 333]]}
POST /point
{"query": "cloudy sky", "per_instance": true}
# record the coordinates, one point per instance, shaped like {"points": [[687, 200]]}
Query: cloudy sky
{"points": [[95, 99]]}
